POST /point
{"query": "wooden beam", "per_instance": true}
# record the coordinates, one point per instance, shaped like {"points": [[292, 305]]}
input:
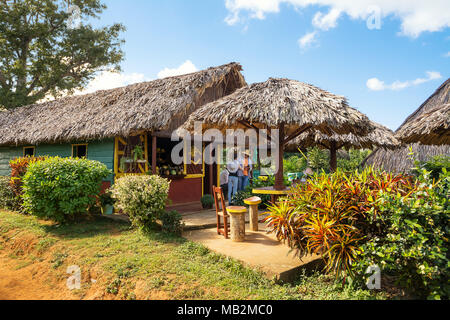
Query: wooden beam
{"points": [[297, 133], [154, 144]]}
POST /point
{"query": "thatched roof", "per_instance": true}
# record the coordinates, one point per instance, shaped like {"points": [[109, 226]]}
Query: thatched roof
{"points": [[156, 105], [380, 137], [431, 128], [278, 101], [399, 160]]}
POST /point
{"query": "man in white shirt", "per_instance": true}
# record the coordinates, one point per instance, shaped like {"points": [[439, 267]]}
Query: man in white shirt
{"points": [[233, 180]]}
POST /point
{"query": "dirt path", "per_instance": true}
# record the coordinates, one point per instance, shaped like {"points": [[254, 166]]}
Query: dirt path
{"points": [[28, 283]]}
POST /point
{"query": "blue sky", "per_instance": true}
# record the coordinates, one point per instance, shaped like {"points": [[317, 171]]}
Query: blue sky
{"points": [[407, 58]]}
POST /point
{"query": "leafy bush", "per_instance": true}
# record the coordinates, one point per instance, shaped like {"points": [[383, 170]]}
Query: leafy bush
{"points": [[415, 247], [355, 158], [295, 164], [332, 214], [8, 199], [318, 159], [435, 166], [19, 167], [172, 222], [207, 201], [372, 218], [142, 198], [62, 189]]}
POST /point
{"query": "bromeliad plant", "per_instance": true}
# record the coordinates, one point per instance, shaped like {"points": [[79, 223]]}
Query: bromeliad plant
{"points": [[333, 214]]}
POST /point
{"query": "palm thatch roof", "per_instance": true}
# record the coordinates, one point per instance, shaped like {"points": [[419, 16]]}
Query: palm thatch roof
{"points": [[379, 137], [399, 160], [431, 128], [151, 106], [281, 101]]}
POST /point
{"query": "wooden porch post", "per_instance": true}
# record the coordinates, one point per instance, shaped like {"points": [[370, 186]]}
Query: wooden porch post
{"points": [[154, 144], [279, 177], [333, 156]]}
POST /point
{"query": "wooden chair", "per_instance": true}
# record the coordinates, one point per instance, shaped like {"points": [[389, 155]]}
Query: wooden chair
{"points": [[221, 211]]}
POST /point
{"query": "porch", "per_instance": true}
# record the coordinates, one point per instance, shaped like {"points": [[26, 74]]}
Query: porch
{"points": [[260, 250]]}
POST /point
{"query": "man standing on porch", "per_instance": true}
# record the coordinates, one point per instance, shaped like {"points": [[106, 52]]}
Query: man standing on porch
{"points": [[233, 180], [245, 166]]}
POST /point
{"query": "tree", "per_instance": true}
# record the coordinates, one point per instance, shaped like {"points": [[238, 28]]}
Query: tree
{"points": [[42, 53]]}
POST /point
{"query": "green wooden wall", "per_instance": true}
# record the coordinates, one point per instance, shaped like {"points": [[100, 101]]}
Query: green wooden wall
{"points": [[102, 151]]}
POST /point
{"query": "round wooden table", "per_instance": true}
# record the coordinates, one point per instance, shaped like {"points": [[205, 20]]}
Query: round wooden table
{"points": [[274, 194]]}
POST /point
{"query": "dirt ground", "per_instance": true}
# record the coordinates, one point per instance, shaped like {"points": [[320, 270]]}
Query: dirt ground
{"points": [[27, 283]]}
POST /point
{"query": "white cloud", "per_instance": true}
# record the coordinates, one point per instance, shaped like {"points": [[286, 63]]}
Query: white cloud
{"points": [[110, 80], [447, 55], [327, 21], [376, 84], [307, 40], [185, 68], [416, 16]]}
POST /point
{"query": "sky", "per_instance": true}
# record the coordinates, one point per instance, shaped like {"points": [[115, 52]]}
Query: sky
{"points": [[387, 57]]}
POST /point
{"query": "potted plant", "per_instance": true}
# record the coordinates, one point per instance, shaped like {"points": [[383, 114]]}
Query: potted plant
{"points": [[107, 203], [207, 201], [138, 154]]}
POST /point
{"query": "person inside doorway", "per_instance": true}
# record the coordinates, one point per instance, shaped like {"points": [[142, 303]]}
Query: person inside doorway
{"points": [[246, 167]]}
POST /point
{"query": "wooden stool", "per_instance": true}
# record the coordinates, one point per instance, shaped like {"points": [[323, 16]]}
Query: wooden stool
{"points": [[253, 203], [237, 223]]}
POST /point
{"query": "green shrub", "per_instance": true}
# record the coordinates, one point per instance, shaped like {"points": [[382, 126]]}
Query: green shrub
{"points": [[371, 218], [172, 222], [207, 201], [332, 214], [142, 198], [415, 247], [355, 158], [8, 199], [62, 189], [295, 164], [435, 166]]}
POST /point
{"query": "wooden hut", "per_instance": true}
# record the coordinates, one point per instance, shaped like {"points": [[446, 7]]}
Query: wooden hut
{"points": [[399, 160], [128, 128]]}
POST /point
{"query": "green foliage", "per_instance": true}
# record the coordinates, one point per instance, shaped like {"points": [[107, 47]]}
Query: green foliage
{"points": [[41, 53], [295, 164], [332, 214], [318, 159], [8, 199], [435, 166], [62, 189], [207, 201], [372, 218], [142, 198], [106, 199], [415, 246], [355, 158], [172, 222]]}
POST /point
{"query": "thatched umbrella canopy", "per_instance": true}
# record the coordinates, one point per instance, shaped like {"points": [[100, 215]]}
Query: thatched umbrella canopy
{"points": [[380, 137], [400, 161], [290, 106], [431, 128]]}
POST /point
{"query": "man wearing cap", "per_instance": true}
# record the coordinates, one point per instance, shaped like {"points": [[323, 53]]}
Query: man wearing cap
{"points": [[245, 166], [233, 180]]}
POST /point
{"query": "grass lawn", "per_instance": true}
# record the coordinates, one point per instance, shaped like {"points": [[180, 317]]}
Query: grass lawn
{"points": [[118, 262]]}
